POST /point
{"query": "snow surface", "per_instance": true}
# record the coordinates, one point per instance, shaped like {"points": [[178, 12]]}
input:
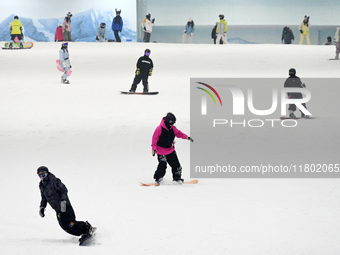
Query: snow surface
{"points": [[98, 142]]}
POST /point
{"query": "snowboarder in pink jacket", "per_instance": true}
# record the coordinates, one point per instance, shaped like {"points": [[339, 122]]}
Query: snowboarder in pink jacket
{"points": [[163, 146]]}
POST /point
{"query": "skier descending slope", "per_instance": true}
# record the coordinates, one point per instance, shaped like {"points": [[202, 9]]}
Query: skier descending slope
{"points": [[64, 58], [163, 145], [54, 192]]}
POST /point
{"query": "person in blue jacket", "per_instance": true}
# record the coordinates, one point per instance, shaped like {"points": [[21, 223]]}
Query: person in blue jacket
{"points": [[117, 25]]}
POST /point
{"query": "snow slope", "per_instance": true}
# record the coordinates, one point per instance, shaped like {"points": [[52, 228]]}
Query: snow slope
{"points": [[98, 142]]}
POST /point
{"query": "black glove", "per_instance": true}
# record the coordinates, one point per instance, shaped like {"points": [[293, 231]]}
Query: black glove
{"points": [[70, 66], [190, 139], [144, 28], [42, 212], [301, 31], [303, 85], [153, 20]]}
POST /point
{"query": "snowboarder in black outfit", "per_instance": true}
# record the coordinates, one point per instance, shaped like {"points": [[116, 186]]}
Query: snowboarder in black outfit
{"points": [[144, 70], [294, 82], [287, 36], [54, 192]]}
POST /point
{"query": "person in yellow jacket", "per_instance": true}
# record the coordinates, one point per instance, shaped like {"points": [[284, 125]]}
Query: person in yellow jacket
{"points": [[304, 30], [221, 30], [16, 31]]}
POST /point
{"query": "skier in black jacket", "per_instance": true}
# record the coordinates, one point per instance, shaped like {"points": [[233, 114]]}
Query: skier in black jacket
{"points": [[294, 82], [144, 70], [54, 192]]}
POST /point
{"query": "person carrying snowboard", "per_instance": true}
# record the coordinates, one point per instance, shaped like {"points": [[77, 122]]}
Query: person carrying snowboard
{"points": [[65, 62], [144, 70], [294, 82], [16, 31], [163, 145], [54, 192]]}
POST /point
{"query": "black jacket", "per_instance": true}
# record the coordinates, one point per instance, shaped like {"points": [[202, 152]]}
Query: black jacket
{"points": [[293, 82], [145, 64], [287, 35], [53, 191]]}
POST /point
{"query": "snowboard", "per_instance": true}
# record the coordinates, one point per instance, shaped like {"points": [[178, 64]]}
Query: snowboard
{"points": [[16, 46], [296, 118], [334, 59], [88, 240], [139, 93], [155, 184]]}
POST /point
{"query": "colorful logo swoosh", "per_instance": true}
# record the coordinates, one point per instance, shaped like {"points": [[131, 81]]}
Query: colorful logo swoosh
{"points": [[208, 92]]}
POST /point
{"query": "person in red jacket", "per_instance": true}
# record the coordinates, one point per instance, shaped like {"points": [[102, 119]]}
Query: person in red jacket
{"points": [[163, 146], [59, 34]]}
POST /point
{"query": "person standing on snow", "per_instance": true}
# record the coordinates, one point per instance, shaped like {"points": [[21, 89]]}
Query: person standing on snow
{"points": [[67, 28], [54, 192], [117, 25], [337, 42], [304, 30], [147, 25], [294, 82], [101, 32], [329, 41], [287, 36], [58, 37], [16, 31], [144, 70], [188, 31], [221, 30], [64, 58], [163, 145]]}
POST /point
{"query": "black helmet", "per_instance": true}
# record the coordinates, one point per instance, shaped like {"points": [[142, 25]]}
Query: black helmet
{"points": [[170, 119], [16, 17], [148, 15], [292, 72], [221, 16], [103, 24], [147, 51], [118, 11], [329, 39], [42, 169]]}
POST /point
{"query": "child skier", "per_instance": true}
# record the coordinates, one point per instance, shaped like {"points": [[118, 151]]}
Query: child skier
{"points": [[144, 70], [163, 146], [65, 62], [54, 192]]}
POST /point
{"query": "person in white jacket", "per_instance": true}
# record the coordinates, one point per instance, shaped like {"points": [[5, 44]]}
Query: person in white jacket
{"points": [[337, 42], [147, 25], [65, 62]]}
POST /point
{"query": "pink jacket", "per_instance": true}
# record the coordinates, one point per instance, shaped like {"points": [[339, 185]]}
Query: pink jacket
{"points": [[59, 34], [67, 26], [158, 132]]}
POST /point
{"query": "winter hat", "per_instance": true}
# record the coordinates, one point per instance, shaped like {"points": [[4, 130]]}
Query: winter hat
{"points": [[190, 19], [292, 72], [60, 25], [170, 118], [42, 169], [148, 15], [118, 11]]}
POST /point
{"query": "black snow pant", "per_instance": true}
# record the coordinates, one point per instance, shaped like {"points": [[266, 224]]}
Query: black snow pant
{"points": [[67, 222], [138, 78], [292, 107], [173, 161], [117, 35]]}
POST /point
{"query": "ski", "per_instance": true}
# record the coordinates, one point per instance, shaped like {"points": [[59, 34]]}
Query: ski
{"points": [[88, 239], [139, 93], [155, 184], [296, 118]]}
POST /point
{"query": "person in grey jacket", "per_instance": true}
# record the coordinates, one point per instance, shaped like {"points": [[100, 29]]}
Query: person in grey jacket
{"points": [[101, 32], [54, 192]]}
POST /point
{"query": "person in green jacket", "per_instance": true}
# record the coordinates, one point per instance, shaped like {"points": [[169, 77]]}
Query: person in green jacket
{"points": [[221, 30], [16, 31]]}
